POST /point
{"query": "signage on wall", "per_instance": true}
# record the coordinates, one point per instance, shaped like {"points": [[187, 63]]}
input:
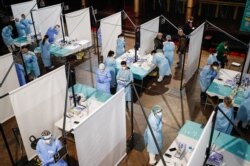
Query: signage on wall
{"points": [[245, 23]]}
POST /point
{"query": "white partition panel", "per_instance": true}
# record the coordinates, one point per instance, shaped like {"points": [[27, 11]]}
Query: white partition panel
{"points": [[149, 31], [110, 29], [38, 105], [199, 153], [193, 55], [78, 25], [101, 139], [23, 8], [47, 17], [11, 83], [246, 67]]}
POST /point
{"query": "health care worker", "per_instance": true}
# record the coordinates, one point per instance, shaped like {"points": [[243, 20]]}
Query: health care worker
{"points": [[45, 53], [7, 37], [155, 121], [30, 61], [26, 22], [162, 63], [20, 28], [52, 32], [212, 58], [47, 147], [103, 78], [124, 77], [168, 49], [110, 64], [243, 113], [207, 74], [221, 123], [120, 45]]}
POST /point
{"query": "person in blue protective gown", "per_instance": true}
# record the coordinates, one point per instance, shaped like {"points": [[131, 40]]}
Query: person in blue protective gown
{"points": [[7, 37], [120, 45], [52, 32], [168, 49], [207, 74], [162, 63], [45, 53], [155, 121], [47, 147], [212, 58], [103, 78], [30, 61], [26, 22], [243, 113], [20, 28], [221, 123], [110, 64], [124, 77], [20, 74]]}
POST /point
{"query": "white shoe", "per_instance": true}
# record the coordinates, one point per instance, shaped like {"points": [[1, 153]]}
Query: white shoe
{"points": [[160, 79], [51, 67]]}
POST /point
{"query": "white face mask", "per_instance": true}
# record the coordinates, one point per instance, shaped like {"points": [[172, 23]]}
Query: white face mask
{"points": [[122, 38], [225, 47], [215, 68], [124, 67], [159, 113]]}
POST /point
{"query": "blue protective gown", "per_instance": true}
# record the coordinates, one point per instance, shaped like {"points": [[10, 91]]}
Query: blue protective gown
{"points": [[20, 74], [124, 77], [103, 79], [162, 63], [52, 32], [206, 77], [211, 59], [110, 64], [120, 47], [243, 113], [31, 64], [26, 22], [20, 29], [221, 123], [46, 152], [156, 124], [168, 49], [45, 53], [6, 35]]}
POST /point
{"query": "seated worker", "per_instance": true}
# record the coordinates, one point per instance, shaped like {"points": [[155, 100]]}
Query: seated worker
{"points": [[162, 63], [222, 51], [47, 147], [120, 45], [207, 74], [158, 41], [221, 123], [52, 32], [243, 113], [123, 78], [155, 121], [30, 61], [103, 78]]}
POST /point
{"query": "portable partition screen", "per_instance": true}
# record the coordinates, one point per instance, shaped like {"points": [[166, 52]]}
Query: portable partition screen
{"points": [[78, 25], [199, 153], [23, 8], [111, 27], [101, 139], [47, 17], [148, 32], [38, 105], [194, 52], [10, 83]]}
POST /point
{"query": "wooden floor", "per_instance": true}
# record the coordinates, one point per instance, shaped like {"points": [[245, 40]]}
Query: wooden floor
{"points": [[166, 94]]}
